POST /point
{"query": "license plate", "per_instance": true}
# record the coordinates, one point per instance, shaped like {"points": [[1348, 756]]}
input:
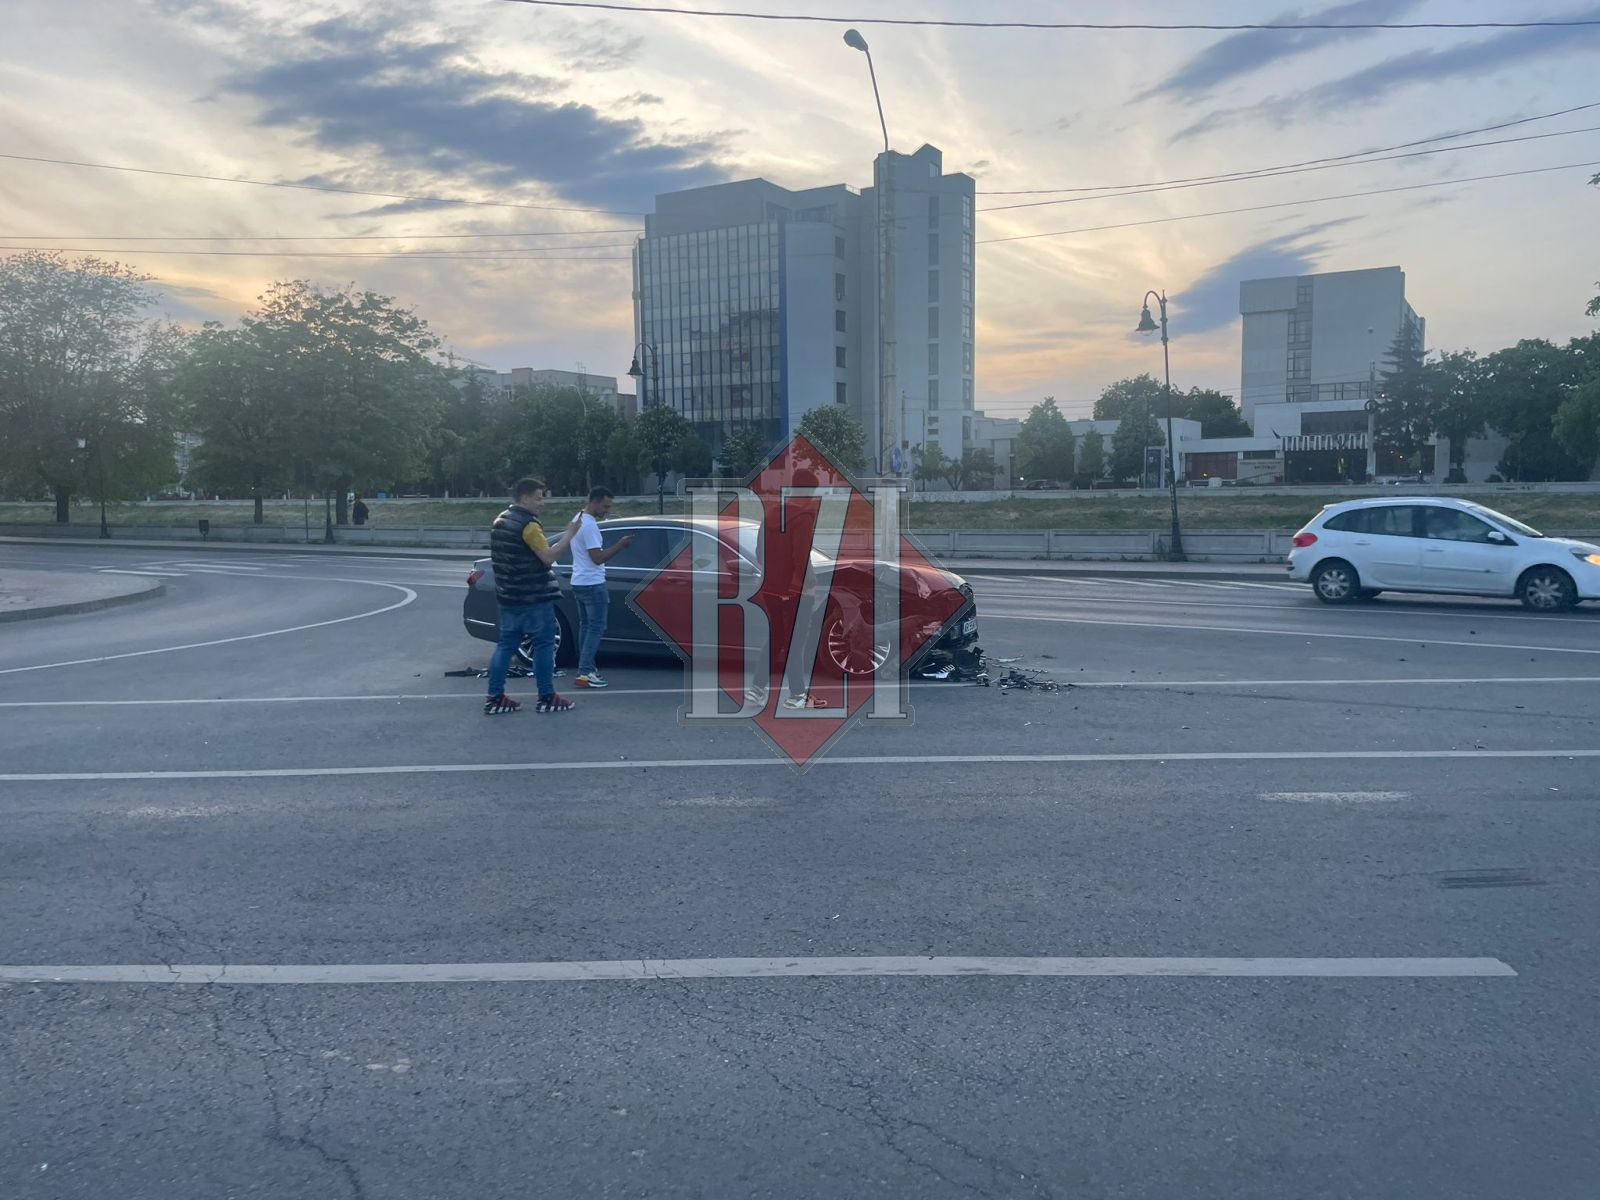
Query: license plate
{"points": [[970, 625]]}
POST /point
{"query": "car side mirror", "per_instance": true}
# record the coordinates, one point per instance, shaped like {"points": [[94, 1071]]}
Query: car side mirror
{"points": [[1500, 539]]}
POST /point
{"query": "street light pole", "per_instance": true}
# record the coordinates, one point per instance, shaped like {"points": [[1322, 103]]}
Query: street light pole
{"points": [[637, 374], [1146, 325], [100, 454], [884, 262]]}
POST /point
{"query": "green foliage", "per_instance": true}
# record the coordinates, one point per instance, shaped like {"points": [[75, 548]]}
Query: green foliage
{"points": [[1140, 394], [1524, 388], [744, 452], [1135, 431], [1217, 413], [1405, 414], [1453, 384], [837, 434], [1045, 445], [927, 463], [691, 456], [1091, 459], [88, 390], [658, 432], [1578, 422], [622, 459]]}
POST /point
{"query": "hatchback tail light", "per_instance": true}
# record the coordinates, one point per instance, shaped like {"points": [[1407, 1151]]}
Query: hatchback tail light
{"points": [[472, 579], [1302, 540]]}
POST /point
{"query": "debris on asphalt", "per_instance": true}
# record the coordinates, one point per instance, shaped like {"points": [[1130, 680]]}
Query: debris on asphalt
{"points": [[1026, 681]]}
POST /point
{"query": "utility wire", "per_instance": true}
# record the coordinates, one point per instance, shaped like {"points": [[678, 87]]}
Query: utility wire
{"points": [[497, 256], [1175, 187], [334, 237], [1223, 212], [1443, 137], [316, 187], [1112, 26]]}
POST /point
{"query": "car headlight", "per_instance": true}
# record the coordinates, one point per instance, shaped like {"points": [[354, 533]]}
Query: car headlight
{"points": [[1588, 556]]}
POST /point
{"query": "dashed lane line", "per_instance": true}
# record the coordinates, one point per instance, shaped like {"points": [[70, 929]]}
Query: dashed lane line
{"points": [[648, 969]]}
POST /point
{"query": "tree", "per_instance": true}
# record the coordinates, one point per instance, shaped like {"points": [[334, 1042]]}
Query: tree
{"points": [[927, 463], [1091, 459], [1405, 414], [1217, 413], [691, 456], [659, 432], [974, 469], [1578, 422], [365, 395], [745, 451], [1141, 394], [87, 395], [1454, 386], [1524, 386], [622, 458], [236, 404], [1045, 445], [837, 434], [1134, 433]]}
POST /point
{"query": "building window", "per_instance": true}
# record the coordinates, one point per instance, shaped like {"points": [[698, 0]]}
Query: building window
{"points": [[1299, 364], [839, 394], [933, 287], [1334, 422], [966, 392], [966, 320], [838, 247], [966, 358], [933, 358], [1300, 393], [933, 393], [838, 288], [933, 249], [838, 357], [1299, 328], [966, 249], [1260, 454], [838, 320], [933, 212], [933, 424], [933, 322], [1302, 293], [966, 213]]}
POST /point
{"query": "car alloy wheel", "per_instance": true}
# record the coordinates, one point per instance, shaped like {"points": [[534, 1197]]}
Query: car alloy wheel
{"points": [[851, 654], [1335, 583], [1547, 590]]}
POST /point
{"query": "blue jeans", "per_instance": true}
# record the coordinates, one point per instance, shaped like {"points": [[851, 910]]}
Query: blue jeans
{"points": [[537, 621], [593, 605]]}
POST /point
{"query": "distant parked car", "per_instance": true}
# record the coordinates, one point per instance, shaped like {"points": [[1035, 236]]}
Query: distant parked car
{"points": [[1041, 485], [656, 540], [1354, 550]]}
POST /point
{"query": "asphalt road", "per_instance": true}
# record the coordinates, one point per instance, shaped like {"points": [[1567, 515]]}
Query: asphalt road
{"points": [[269, 766]]}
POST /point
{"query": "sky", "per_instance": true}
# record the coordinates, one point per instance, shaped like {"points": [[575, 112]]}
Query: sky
{"points": [[582, 118]]}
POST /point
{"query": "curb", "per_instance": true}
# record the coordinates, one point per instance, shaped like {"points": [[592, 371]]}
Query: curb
{"points": [[82, 606], [1112, 569]]}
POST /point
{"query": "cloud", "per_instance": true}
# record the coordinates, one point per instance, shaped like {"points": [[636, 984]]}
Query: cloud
{"points": [[602, 48], [642, 98], [428, 106], [1211, 302], [1472, 61], [1243, 53]]}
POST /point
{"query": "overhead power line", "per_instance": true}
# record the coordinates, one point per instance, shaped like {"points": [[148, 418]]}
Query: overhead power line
{"points": [[1115, 26], [1224, 212], [317, 187], [1308, 162], [318, 237], [507, 255], [1176, 187]]}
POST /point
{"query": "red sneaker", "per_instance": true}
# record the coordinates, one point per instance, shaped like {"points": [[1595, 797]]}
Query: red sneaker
{"points": [[554, 704], [494, 706]]}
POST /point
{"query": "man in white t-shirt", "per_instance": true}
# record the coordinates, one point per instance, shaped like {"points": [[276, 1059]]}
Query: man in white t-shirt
{"points": [[589, 558]]}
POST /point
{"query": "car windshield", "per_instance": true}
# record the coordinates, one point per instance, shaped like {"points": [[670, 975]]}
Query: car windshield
{"points": [[1505, 522]]}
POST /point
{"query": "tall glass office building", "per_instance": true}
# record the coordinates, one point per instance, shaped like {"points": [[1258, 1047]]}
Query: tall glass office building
{"points": [[710, 306], [757, 304]]}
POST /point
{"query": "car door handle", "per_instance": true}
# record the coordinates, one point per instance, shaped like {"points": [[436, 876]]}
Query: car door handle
{"points": [[1361, 542]]}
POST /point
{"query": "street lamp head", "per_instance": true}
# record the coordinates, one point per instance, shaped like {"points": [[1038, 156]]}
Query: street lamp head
{"points": [[855, 41], [1146, 325], [633, 369]]}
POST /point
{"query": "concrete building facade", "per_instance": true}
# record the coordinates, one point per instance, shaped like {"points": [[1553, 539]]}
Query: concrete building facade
{"points": [[758, 303], [1317, 338]]}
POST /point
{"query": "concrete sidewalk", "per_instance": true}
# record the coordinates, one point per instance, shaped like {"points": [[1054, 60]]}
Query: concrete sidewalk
{"points": [[26, 594]]}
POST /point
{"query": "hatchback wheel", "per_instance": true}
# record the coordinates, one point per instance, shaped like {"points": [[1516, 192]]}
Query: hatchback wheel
{"points": [[1335, 582], [855, 650], [566, 647], [1547, 589]]}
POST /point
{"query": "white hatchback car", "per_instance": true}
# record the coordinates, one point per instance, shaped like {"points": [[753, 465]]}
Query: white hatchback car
{"points": [[1353, 551]]}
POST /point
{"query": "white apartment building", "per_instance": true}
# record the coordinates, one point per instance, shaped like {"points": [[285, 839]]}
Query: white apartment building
{"points": [[755, 303]]}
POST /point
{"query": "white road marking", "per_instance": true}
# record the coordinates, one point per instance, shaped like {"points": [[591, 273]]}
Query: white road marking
{"points": [[873, 760], [225, 562], [647, 969], [410, 596], [1289, 634], [1337, 797], [162, 574]]}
